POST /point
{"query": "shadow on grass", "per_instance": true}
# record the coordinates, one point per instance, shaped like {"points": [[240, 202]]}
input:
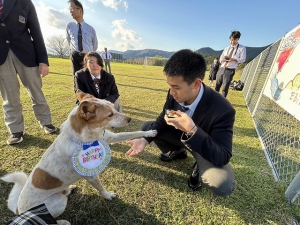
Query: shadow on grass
{"points": [[250, 199], [140, 87], [81, 209], [244, 132], [64, 74], [155, 169], [239, 106], [140, 113], [33, 140], [144, 78]]}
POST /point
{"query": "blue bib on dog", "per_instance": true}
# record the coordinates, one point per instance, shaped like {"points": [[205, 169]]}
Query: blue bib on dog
{"points": [[91, 158]]}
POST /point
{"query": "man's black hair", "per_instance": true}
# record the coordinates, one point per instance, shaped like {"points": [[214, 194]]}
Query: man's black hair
{"points": [[235, 34], [186, 63]]}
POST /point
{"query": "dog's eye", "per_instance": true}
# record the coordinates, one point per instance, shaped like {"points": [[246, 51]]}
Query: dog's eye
{"points": [[110, 115]]}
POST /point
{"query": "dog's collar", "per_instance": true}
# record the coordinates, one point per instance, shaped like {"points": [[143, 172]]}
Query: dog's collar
{"points": [[84, 143], [79, 143]]}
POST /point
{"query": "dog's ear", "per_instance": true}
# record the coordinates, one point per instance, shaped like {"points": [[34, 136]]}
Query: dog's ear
{"points": [[87, 110], [81, 96]]}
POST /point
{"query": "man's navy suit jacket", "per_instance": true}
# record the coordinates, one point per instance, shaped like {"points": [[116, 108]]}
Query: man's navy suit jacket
{"points": [[214, 117], [20, 31]]}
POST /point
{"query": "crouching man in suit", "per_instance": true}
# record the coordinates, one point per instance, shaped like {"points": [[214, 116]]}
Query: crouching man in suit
{"points": [[199, 121]]}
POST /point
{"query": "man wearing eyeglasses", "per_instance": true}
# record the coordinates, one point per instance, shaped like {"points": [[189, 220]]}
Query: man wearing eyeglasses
{"points": [[81, 36]]}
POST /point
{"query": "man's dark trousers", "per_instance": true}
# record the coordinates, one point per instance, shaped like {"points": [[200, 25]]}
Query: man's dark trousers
{"points": [[77, 61], [224, 77], [219, 179]]}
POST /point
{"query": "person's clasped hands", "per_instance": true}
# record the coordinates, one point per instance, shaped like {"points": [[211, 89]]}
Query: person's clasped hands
{"points": [[181, 122]]}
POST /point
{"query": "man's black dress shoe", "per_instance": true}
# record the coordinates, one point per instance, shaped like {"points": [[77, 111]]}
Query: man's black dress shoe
{"points": [[171, 155], [194, 182]]}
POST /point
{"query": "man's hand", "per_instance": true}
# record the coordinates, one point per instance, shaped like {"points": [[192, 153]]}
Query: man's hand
{"points": [[43, 69], [182, 122], [137, 147], [231, 60]]}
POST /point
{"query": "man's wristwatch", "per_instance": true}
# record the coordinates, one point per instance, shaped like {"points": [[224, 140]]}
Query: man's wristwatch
{"points": [[191, 132]]}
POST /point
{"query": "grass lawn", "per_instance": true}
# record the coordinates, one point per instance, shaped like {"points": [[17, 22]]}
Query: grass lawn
{"points": [[149, 191]]}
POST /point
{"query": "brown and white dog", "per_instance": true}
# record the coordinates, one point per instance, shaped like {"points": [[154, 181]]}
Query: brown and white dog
{"points": [[51, 179]]}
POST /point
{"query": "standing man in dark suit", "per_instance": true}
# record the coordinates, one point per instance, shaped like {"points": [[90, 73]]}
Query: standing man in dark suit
{"points": [[231, 57], [23, 52], [81, 36], [205, 128], [96, 81]]}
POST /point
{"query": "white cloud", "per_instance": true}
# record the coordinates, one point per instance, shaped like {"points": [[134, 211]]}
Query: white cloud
{"points": [[114, 4], [52, 21], [129, 37], [120, 32], [124, 46], [53, 17]]}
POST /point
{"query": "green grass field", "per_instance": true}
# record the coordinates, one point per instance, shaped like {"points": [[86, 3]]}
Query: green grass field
{"points": [[150, 192]]}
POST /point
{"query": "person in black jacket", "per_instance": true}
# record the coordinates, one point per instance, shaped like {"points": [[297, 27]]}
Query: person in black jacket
{"points": [[22, 52], [200, 121], [94, 80], [213, 72]]}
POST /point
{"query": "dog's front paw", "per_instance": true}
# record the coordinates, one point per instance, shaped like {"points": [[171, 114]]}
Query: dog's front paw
{"points": [[108, 195], [150, 133]]}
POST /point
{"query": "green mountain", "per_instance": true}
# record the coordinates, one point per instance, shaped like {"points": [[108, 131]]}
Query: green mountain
{"points": [[252, 52]]}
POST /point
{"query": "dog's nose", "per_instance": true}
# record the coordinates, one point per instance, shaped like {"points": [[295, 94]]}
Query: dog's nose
{"points": [[129, 119]]}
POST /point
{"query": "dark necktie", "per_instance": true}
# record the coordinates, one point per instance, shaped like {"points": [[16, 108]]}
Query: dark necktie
{"points": [[184, 108], [230, 55], [106, 55], [1, 7], [80, 48], [97, 84]]}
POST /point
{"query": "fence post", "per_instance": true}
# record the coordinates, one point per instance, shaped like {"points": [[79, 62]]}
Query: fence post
{"points": [[293, 190]]}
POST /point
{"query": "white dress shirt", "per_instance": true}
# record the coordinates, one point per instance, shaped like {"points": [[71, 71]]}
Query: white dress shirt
{"points": [[239, 53], [192, 107], [89, 37], [106, 56]]}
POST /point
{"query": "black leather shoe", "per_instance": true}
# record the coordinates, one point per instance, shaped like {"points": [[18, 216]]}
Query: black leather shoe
{"points": [[172, 155], [193, 182]]}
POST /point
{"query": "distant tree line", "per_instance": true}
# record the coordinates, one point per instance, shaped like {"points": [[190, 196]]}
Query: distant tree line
{"points": [[147, 61], [59, 47]]}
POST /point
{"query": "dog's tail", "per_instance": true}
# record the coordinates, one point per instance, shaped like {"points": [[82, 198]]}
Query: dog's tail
{"points": [[19, 178]]}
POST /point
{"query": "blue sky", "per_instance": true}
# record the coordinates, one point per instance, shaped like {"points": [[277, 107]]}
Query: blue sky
{"points": [[172, 25]]}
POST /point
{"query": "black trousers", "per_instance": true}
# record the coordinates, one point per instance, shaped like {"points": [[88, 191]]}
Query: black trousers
{"points": [[224, 77], [77, 61], [218, 179]]}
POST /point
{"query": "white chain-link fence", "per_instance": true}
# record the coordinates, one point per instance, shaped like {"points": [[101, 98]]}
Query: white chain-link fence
{"points": [[278, 130]]}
